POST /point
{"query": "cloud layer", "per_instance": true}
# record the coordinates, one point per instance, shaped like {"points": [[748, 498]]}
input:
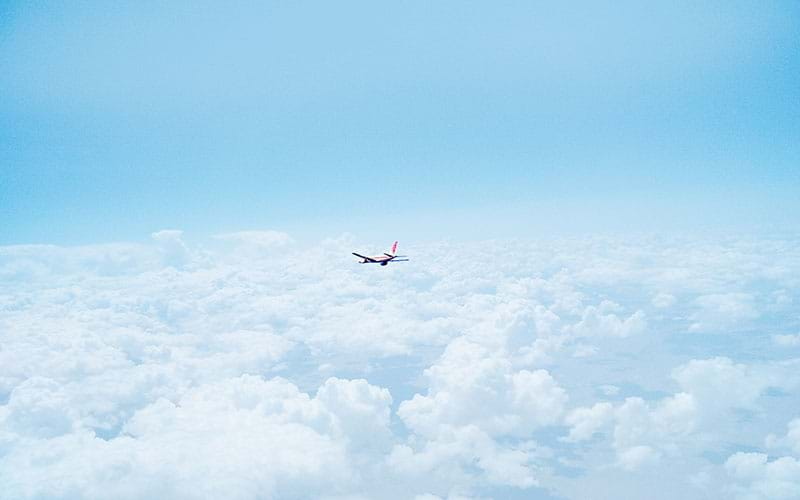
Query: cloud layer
{"points": [[249, 366]]}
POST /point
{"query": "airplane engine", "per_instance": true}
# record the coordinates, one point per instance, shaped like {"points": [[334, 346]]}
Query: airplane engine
{"points": [[384, 263]]}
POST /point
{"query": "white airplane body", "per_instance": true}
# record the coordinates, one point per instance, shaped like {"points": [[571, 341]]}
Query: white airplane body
{"points": [[382, 259]]}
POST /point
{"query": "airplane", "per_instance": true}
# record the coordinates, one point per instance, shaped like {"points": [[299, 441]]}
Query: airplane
{"points": [[383, 259]]}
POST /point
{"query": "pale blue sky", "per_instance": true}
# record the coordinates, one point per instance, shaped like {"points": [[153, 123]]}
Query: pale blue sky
{"points": [[450, 119]]}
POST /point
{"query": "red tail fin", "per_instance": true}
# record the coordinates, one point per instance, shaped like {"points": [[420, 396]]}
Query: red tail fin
{"points": [[394, 248]]}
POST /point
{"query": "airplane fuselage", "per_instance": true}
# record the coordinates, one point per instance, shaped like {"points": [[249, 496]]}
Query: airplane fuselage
{"points": [[382, 259]]}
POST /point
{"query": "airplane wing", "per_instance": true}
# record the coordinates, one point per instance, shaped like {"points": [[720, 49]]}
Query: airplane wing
{"points": [[388, 255], [399, 260], [368, 259]]}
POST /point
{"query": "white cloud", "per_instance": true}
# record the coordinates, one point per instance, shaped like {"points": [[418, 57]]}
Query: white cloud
{"points": [[240, 437], [250, 367], [635, 457], [39, 408], [361, 410], [719, 383], [790, 441], [642, 434], [646, 432], [609, 390], [23, 265], [719, 311], [757, 477], [597, 321], [471, 385], [476, 399], [663, 300], [448, 458], [255, 246], [584, 422], [793, 435], [787, 340], [173, 251]]}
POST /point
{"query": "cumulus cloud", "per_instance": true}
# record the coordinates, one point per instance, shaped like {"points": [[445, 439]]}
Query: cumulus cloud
{"points": [[28, 264], [475, 401], [790, 441], [242, 437], [722, 310], [601, 321], [470, 385], [757, 477], [585, 422], [173, 251], [643, 432], [720, 383], [361, 410], [449, 458], [225, 369]]}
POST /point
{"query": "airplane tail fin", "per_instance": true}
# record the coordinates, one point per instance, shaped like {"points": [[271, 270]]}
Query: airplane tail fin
{"points": [[394, 248]]}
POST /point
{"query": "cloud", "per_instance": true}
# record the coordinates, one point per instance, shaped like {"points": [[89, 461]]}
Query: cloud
{"points": [[470, 385], [475, 403], [29, 264], [720, 383], [250, 366], [645, 432], [787, 340], [723, 310], [663, 300], [790, 441], [634, 457], [237, 438], [455, 451], [598, 321], [584, 422], [793, 435], [253, 245], [173, 251], [361, 410], [756, 477]]}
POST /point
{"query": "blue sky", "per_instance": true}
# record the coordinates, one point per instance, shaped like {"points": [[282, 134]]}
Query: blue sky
{"points": [[447, 119]]}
